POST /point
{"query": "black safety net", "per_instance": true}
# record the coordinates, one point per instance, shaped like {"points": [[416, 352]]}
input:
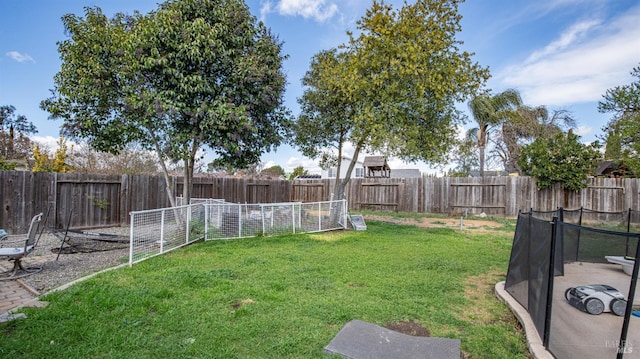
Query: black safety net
{"points": [[592, 256], [528, 275]]}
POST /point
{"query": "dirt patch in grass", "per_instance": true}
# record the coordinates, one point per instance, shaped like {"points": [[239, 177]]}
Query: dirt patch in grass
{"points": [[239, 304], [479, 291], [453, 223], [409, 328], [484, 308]]}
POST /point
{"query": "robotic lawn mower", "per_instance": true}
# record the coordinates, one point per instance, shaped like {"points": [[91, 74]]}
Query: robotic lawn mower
{"points": [[596, 298]]}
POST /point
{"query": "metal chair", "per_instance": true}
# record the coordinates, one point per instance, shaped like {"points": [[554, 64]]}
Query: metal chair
{"points": [[16, 249]]}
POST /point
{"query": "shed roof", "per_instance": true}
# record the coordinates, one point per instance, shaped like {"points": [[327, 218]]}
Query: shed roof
{"points": [[603, 166], [375, 161]]}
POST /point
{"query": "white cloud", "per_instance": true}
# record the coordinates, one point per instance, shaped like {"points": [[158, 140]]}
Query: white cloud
{"points": [[265, 9], [49, 143], [581, 64], [583, 131], [308, 164], [15, 55], [569, 37], [529, 11], [318, 10]]}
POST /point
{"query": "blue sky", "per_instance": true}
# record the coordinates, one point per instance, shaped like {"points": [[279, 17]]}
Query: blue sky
{"points": [[560, 53]]}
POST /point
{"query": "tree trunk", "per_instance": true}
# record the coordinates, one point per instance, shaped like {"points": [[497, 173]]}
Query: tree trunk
{"points": [[336, 185], [165, 172], [189, 168], [482, 142], [341, 185], [186, 186], [481, 158]]}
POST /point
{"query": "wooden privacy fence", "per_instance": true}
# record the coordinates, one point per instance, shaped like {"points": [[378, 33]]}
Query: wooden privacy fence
{"points": [[92, 201]]}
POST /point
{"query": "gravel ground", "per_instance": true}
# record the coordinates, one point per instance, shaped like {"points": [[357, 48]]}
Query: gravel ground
{"points": [[82, 255]]}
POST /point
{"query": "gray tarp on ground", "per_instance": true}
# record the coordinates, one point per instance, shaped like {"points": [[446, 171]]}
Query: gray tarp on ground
{"points": [[359, 340]]}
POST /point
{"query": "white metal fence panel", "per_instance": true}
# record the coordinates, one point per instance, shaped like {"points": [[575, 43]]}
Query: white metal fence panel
{"points": [[228, 220], [323, 216], [232, 220], [158, 231], [281, 218], [154, 232]]}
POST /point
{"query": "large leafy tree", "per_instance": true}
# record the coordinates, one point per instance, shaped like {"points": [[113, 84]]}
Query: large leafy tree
{"points": [[14, 136], [390, 89], [623, 130], [562, 159], [326, 120], [189, 75]]}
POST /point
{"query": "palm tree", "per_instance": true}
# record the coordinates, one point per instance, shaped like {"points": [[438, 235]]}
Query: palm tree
{"points": [[530, 123], [489, 111]]}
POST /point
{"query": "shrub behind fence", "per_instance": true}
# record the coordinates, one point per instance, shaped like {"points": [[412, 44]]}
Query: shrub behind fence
{"points": [[154, 232]]}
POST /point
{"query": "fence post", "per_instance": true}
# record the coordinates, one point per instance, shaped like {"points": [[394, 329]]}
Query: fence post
{"points": [[630, 299], [580, 220], [293, 216], [239, 221], [187, 225], [320, 216], [560, 243], [626, 251], [561, 214], [162, 230], [262, 215], [219, 209], [130, 239], [345, 209], [547, 314], [579, 234], [206, 220]]}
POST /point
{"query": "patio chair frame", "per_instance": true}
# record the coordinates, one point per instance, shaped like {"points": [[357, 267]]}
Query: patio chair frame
{"points": [[17, 249]]}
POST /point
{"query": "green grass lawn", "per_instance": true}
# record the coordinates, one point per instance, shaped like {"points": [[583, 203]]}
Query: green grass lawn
{"points": [[280, 297]]}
